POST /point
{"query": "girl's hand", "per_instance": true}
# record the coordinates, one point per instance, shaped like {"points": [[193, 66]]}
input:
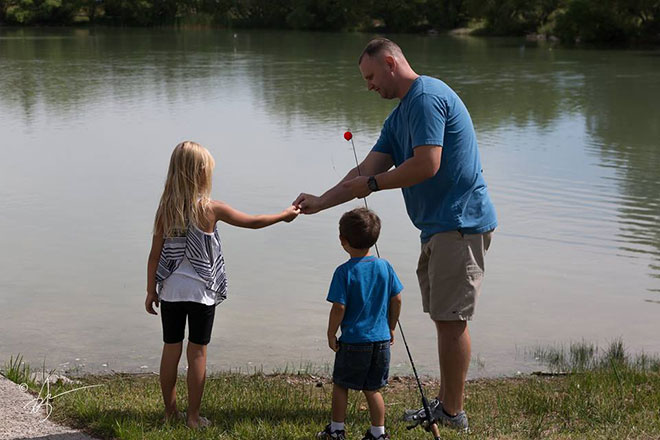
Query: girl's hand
{"points": [[290, 213], [152, 299]]}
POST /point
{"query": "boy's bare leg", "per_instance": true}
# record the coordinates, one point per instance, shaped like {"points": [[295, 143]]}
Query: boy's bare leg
{"points": [[339, 403], [196, 377], [376, 407], [454, 348], [169, 364]]}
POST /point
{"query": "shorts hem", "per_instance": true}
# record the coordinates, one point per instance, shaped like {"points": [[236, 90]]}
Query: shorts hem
{"points": [[451, 317], [355, 387], [176, 342], [199, 343]]}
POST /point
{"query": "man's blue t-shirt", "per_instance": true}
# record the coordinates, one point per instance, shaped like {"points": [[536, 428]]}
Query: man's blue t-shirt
{"points": [[456, 198], [364, 285]]}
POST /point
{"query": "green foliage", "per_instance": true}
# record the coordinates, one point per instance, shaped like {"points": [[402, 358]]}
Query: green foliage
{"points": [[398, 15], [132, 12], [164, 12], [261, 13], [18, 371], [39, 11], [585, 356], [446, 14], [610, 21], [646, 15], [591, 21], [605, 21], [328, 14], [217, 9], [514, 17]]}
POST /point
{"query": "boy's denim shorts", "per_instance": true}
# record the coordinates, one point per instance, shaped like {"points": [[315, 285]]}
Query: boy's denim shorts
{"points": [[362, 366]]}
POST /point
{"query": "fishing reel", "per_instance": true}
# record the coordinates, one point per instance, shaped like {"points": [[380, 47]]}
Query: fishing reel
{"points": [[424, 423]]}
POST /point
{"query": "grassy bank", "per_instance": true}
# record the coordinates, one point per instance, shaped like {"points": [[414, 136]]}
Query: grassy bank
{"points": [[599, 394]]}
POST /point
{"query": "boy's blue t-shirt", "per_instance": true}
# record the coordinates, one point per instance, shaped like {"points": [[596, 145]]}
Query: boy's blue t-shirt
{"points": [[457, 197], [364, 285]]}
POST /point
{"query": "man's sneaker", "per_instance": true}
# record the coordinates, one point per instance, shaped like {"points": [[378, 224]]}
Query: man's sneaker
{"points": [[326, 434], [419, 415], [458, 422], [369, 436]]}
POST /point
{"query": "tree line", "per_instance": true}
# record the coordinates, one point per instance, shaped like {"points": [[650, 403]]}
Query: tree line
{"points": [[571, 21]]}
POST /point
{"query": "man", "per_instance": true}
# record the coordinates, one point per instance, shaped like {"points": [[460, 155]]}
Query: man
{"points": [[430, 140]]}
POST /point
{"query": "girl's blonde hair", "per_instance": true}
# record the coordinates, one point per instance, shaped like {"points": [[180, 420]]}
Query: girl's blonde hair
{"points": [[187, 194]]}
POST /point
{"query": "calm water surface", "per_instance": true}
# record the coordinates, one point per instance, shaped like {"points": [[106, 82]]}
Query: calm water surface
{"points": [[569, 142]]}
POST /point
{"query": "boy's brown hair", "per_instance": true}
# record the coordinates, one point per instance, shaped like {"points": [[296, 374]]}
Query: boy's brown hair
{"points": [[360, 227]]}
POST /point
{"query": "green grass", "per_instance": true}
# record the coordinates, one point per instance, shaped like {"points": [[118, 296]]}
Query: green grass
{"points": [[607, 394], [18, 371]]}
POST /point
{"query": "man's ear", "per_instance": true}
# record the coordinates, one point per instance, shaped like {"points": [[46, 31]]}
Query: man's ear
{"points": [[390, 61]]}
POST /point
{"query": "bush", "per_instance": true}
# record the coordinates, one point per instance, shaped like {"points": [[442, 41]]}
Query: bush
{"points": [[261, 13], [446, 14], [328, 14], [513, 17], [609, 21], [400, 15], [39, 11], [600, 21]]}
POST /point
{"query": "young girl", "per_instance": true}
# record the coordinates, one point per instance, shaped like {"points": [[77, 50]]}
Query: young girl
{"points": [[186, 270]]}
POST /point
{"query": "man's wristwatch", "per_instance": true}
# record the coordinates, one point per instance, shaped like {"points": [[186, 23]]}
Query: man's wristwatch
{"points": [[372, 184]]}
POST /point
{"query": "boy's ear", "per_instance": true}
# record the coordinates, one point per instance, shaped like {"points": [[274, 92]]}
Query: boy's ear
{"points": [[342, 240]]}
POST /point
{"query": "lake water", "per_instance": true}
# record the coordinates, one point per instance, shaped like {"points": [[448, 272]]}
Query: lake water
{"points": [[570, 142]]}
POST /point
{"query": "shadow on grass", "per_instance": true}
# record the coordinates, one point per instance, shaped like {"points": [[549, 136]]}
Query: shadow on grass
{"points": [[113, 423], [66, 436]]}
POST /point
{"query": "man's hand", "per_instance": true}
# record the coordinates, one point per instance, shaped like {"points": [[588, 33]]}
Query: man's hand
{"points": [[152, 299], [391, 337], [308, 203], [332, 343], [358, 186]]}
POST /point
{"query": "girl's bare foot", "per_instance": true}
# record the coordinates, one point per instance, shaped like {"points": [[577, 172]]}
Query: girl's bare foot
{"points": [[174, 416], [201, 422]]}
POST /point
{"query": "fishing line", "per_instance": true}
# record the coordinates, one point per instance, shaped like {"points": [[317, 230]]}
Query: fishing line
{"points": [[432, 425]]}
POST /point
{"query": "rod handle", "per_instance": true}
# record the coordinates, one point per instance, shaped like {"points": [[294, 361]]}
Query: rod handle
{"points": [[435, 431]]}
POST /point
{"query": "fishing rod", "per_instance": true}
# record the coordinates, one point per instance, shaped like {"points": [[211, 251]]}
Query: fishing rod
{"points": [[430, 421]]}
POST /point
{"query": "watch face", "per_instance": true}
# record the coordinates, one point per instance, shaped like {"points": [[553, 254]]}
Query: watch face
{"points": [[372, 184]]}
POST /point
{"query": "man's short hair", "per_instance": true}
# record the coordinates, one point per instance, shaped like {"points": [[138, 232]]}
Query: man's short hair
{"points": [[378, 45], [360, 227]]}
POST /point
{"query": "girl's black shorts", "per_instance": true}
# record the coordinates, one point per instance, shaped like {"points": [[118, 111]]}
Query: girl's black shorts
{"points": [[200, 321]]}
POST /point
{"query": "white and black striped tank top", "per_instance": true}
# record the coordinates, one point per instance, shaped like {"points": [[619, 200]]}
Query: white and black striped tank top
{"points": [[204, 252]]}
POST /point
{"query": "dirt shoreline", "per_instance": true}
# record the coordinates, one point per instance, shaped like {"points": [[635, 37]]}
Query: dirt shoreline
{"points": [[21, 417]]}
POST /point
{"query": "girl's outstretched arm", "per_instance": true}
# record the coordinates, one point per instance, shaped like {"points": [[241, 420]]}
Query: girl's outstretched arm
{"points": [[234, 217]]}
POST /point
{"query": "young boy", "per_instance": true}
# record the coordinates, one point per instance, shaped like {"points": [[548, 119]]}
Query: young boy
{"points": [[366, 301]]}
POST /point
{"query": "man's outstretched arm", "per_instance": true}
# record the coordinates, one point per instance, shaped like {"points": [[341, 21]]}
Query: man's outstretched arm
{"points": [[374, 163], [424, 164]]}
